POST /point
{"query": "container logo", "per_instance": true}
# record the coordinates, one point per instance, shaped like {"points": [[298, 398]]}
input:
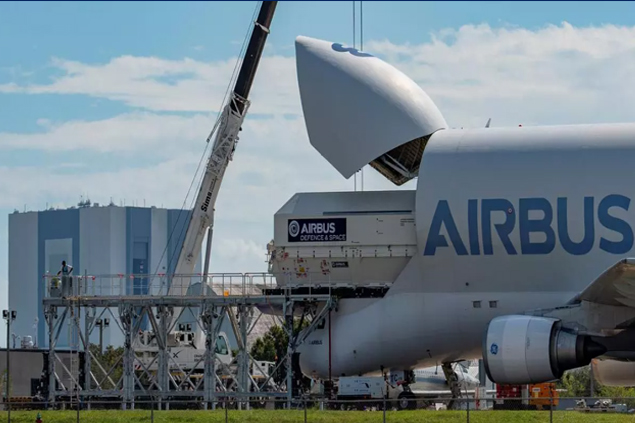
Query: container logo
{"points": [[317, 230], [294, 228]]}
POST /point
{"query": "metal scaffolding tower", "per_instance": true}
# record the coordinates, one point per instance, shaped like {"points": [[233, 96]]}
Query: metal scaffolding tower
{"points": [[148, 368]]}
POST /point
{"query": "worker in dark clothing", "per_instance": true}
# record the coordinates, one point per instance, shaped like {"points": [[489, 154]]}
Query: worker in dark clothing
{"points": [[65, 271]]}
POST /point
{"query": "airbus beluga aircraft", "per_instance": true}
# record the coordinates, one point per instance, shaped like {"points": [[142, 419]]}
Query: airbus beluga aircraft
{"points": [[515, 246]]}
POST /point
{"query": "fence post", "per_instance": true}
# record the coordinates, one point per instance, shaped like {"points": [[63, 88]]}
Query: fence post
{"points": [[152, 410], [384, 408], [468, 410], [226, 415], [551, 409], [305, 410], [78, 406]]}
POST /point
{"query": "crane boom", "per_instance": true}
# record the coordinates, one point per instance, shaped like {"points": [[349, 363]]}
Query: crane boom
{"points": [[232, 117], [202, 216]]}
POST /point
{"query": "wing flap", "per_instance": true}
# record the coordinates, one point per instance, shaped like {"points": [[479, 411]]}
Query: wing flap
{"points": [[614, 287]]}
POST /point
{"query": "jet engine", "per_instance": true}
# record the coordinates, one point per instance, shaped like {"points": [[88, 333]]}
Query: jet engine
{"points": [[529, 349], [613, 372]]}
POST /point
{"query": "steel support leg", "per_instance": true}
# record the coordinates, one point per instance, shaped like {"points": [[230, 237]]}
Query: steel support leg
{"points": [[288, 317], [243, 359], [209, 380], [163, 380], [126, 314], [51, 315], [88, 322]]}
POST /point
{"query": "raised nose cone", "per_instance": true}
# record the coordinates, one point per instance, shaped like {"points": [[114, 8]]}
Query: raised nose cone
{"points": [[358, 107]]}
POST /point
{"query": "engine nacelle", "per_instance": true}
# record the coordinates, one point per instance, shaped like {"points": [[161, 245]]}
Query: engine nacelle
{"points": [[614, 373], [529, 349]]}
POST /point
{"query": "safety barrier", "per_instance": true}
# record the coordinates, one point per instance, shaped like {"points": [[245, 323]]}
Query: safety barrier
{"points": [[163, 284]]}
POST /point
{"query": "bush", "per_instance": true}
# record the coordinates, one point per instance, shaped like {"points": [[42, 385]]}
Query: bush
{"points": [[578, 384]]}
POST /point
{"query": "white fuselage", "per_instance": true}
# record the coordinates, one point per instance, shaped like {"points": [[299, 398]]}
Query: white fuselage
{"points": [[507, 220]]}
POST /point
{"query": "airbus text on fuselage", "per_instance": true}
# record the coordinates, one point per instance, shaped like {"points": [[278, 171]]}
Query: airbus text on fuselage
{"points": [[552, 220]]}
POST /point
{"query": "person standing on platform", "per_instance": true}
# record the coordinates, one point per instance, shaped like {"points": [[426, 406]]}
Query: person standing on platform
{"points": [[65, 271]]}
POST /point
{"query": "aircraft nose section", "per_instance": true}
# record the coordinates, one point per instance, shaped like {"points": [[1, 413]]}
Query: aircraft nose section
{"points": [[314, 357], [356, 106]]}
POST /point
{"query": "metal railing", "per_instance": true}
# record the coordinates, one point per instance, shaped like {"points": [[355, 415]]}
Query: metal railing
{"points": [[163, 284], [314, 409], [160, 284]]}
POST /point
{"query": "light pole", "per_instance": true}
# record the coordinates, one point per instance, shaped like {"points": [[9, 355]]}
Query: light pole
{"points": [[9, 316], [101, 324]]}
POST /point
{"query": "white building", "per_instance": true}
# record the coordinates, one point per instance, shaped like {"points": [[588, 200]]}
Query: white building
{"points": [[95, 240]]}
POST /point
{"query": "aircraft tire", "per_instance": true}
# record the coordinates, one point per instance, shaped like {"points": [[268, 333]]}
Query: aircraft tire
{"points": [[406, 401]]}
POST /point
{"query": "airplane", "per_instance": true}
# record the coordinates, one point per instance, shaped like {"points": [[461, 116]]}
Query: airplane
{"points": [[430, 381], [429, 384], [516, 245]]}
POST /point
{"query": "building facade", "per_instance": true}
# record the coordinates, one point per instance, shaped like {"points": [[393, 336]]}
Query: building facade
{"points": [[95, 240]]}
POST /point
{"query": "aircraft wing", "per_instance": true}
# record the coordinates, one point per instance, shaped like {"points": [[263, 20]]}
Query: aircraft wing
{"points": [[614, 287]]}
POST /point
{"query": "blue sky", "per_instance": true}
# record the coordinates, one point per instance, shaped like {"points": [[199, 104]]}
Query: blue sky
{"points": [[115, 99]]}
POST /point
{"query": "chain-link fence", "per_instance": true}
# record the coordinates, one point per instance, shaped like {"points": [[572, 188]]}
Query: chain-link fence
{"points": [[318, 410]]}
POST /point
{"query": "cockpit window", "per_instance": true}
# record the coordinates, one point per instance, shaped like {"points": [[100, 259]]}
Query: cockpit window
{"points": [[221, 346]]}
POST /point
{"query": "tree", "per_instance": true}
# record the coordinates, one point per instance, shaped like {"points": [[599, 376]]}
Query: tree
{"points": [[272, 346], [577, 383], [110, 357]]}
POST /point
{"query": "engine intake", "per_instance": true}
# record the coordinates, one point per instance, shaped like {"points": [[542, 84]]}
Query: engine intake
{"points": [[528, 349]]}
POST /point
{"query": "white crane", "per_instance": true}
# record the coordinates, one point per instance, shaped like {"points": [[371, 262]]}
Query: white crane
{"points": [[231, 119]]}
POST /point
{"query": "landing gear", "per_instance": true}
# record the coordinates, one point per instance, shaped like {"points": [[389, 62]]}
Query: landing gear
{"points": [[452, 380], [407, 400]]}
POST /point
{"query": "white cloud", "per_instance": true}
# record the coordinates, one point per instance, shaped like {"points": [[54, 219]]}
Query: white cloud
{"points": [[239, 255], [171, 85], [558, 74], [135, 131], [273, 160]]}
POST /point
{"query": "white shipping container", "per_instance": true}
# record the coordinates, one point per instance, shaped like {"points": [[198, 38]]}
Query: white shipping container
{"points": [[362, 386]]}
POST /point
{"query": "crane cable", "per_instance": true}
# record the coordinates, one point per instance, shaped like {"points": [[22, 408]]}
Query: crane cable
{"points": [[361, 48]]}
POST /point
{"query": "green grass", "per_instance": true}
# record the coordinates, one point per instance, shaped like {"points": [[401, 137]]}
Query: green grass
{"points": [[313, 416]]}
